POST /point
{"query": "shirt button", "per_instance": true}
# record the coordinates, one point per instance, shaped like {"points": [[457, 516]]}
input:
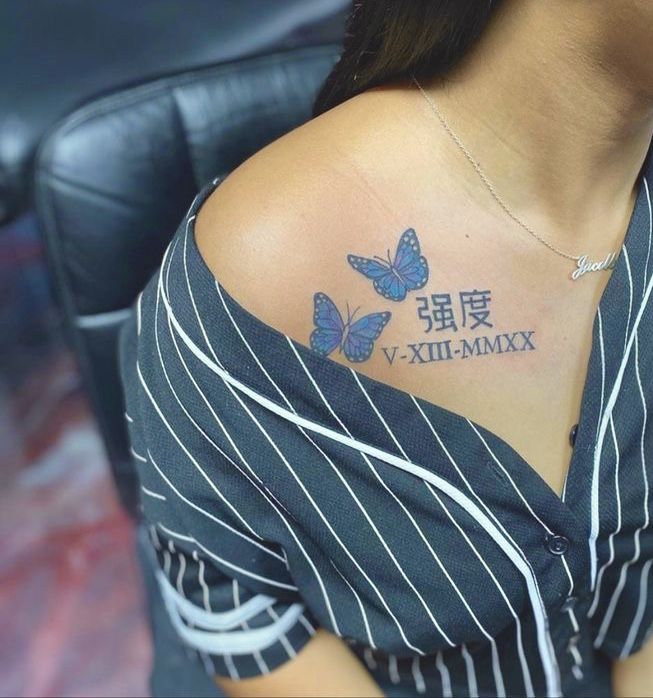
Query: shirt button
{"points": [[558, 545], [568, 604], [572, 435]]}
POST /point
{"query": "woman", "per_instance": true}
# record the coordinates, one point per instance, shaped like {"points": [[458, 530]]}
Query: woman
{"points": [[388, 394]]}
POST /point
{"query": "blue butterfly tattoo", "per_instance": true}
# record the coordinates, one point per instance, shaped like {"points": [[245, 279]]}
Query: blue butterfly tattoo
{"points": [[393, 279], [354, 339]]}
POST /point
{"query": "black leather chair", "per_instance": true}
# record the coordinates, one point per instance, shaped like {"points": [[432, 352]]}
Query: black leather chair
{"points": [[112, 182], [54, 56]]}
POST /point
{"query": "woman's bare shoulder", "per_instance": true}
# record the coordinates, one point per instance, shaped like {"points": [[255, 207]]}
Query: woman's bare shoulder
{"points": [[279, 227]]}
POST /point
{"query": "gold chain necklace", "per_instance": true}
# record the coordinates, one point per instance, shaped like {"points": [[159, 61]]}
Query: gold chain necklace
{"points": [[583, 263]]}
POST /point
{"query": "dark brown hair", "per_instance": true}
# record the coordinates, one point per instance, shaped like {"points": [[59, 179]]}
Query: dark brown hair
{"points": [[387, 40]]}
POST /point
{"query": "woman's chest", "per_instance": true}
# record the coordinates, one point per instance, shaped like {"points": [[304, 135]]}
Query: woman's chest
{"points": [[427, 502], [508, 350]]}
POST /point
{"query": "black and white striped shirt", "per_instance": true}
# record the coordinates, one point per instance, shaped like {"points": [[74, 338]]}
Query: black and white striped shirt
{"points": [[285, 491]]}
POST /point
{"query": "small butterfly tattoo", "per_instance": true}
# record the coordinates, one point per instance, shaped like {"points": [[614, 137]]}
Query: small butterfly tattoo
{"points": [[393, 279], [354, 339]]}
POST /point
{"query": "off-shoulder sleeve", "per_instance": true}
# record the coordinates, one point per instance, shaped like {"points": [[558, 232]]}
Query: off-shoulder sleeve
{"points": [[213, 524]]}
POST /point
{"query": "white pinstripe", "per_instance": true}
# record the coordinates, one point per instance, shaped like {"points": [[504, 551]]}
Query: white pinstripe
{"points": [[630, 293], [368, 632], [206, 599], [154, 495], [471, 672], [417, 675], [650, 232], [639, 613], [369, 659], [306, 623], [180, 575], [610, 560], [138, 456], [258, 657], [594, 531], [138, 313], [444, 675], [392, 669], [624, 568], [282, 638]]}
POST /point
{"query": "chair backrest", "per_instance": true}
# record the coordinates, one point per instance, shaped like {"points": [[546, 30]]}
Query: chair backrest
{"points": [[103, 46], [114, 179]]}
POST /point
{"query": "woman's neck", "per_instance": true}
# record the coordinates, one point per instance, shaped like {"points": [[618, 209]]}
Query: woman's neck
{"points": [[559, 127]]}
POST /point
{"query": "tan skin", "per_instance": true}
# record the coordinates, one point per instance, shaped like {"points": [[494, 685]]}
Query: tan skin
{"points": [[353, 179], [310, 673]]}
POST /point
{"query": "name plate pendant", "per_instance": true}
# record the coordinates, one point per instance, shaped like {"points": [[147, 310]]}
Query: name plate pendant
{"points": [[584, 265]]}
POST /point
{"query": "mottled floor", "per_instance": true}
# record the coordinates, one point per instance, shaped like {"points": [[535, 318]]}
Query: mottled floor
{"points": [[73, 619]]}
